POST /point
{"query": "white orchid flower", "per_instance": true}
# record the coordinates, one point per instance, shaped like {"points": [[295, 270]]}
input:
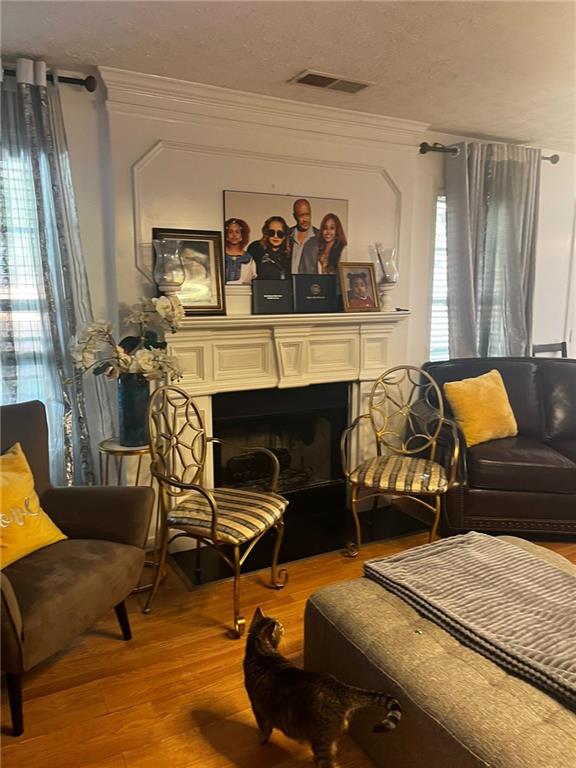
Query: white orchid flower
{"points": [[164, 312], [144, 359]]}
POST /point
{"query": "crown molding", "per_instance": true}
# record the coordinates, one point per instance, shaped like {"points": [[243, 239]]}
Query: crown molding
{"points": [[155, 92]]}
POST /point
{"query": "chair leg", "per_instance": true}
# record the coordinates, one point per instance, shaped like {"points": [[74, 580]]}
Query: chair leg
{"points": [[239, 621], [14, 686], [159, 571], [437, 515], [122, 616], [278, 578], [352, 548], [198, 569]]}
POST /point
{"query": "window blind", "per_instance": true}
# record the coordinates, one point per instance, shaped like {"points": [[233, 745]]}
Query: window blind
{"points": [[439, 333]]}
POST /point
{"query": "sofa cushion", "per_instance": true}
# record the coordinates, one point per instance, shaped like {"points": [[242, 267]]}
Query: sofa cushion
{"points": [[520, 464], [566, 446], [481, 407], [64, 588], [559, 390], [521, 379]]}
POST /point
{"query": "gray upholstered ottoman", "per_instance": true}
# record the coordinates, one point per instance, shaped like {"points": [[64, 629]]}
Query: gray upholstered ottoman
{"points": [[460, 710]]}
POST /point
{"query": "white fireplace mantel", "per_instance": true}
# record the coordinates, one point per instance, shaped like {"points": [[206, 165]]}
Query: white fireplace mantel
{"points": [[241, 352]]}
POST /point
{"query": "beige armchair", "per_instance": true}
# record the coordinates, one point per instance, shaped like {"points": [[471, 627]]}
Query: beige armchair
{"points": [[56, 593]]}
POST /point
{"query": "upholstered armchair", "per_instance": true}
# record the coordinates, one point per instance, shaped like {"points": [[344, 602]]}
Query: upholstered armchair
{"points": [[57, 592]]}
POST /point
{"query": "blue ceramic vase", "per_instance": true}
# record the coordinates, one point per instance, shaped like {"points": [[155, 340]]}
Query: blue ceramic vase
{"points": [[133, 396]]}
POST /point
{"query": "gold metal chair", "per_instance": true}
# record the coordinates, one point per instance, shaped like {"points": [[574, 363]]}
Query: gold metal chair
{"points": [[406, 416], [231, 520]]}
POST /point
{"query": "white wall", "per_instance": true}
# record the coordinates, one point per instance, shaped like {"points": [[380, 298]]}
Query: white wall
{"points": [[86, 125], [555, 288], [213, 139]]}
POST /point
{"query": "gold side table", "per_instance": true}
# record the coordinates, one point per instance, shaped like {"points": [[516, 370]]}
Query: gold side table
{"points": [[111, 452]]}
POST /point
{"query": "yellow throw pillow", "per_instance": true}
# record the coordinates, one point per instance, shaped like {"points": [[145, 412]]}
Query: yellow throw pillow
{"points": [[24, 526], [481, 408]]}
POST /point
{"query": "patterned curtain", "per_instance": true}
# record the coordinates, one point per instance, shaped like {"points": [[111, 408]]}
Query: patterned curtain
{"points": [[492, 198], [44, 294]]}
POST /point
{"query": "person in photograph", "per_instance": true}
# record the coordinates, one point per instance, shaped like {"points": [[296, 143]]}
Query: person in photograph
{"points": [[239, 265], [322, 255], [359, 294], [302, 233], [271, 253]]}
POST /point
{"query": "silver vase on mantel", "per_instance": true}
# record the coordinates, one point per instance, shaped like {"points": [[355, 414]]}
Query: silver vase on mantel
{"points": [[389, 266]]}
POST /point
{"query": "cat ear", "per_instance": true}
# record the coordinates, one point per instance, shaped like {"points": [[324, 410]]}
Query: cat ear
{"points": [[258, 616]]}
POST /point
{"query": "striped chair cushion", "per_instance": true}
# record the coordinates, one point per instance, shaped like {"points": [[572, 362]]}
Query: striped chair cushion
{"points": [[242, 515], [402, 474]]}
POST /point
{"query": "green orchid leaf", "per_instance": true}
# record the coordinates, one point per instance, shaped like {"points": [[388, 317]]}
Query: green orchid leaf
{"points": [[101, 368], [129, 343]]}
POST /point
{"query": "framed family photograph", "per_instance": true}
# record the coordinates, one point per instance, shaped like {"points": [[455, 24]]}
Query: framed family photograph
{"points": [[359, 290], [271, 237], [202, 292]]}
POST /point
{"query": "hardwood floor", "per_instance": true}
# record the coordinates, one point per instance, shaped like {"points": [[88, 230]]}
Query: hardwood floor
{"points": [[174, 696]]}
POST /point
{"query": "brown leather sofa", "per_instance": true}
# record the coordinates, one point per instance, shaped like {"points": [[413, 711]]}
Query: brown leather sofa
{"points": [[527, 483], [56, 593]]}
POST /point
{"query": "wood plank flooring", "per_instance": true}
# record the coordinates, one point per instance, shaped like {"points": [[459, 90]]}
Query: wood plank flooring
{"points": [[174, 695]]}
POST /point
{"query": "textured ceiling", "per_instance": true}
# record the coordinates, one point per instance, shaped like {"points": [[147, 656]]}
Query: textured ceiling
{"points": [[494, 69]]}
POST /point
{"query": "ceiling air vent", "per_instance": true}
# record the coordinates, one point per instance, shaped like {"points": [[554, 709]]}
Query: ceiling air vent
{"points": [[329, 82]]}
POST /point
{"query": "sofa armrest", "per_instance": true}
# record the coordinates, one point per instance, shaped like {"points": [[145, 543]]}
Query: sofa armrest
{"points": [[112, 513]]}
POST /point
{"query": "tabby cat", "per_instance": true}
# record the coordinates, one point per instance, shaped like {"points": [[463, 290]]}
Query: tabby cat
{"points": [[305, 706]]}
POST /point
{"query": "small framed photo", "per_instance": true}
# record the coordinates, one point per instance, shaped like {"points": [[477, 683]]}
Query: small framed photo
{"points": [[358, 283], [202, 292]]}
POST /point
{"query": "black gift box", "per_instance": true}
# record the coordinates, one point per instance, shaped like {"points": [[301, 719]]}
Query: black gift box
{"points": [[314, 293], [272, 297]]}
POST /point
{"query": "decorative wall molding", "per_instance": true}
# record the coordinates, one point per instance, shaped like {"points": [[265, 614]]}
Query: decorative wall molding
{"points": [[138, 91], [142, 237]]}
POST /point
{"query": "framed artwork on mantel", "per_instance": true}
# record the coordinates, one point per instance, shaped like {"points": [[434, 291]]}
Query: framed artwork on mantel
{"points": [[359, 289], [271, 236], [202, 292]]}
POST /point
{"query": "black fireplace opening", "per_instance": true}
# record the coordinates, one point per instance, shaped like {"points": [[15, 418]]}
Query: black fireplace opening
{"points": [[301, 426]]}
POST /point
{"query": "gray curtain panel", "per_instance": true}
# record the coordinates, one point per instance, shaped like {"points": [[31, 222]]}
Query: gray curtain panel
{"points": [[44, 297], [492, 197]]}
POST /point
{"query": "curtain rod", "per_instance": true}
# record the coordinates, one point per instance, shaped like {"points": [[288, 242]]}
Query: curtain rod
{"points": [[90, 82], [455, 151]]}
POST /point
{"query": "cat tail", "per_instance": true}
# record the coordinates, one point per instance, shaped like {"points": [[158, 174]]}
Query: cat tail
{"points": [[394, 713]]}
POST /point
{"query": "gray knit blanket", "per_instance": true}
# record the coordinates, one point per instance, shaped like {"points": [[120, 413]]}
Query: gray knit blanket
{"points": [[505, 603]]}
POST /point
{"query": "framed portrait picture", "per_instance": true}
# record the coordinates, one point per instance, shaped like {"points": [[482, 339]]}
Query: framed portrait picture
{"points": [[202, 292], [271, 236], [358, 283]]}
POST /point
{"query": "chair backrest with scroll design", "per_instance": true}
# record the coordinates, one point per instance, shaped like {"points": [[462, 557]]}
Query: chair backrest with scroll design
{"points": [[406, 411], [178, 441]]}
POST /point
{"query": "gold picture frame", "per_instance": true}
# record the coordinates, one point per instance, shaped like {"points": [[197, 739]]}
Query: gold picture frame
{"points": [[359, 288]]}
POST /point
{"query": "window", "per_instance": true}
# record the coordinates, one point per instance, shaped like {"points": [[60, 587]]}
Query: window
{"points": [[25, 343], [439, 335]]}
